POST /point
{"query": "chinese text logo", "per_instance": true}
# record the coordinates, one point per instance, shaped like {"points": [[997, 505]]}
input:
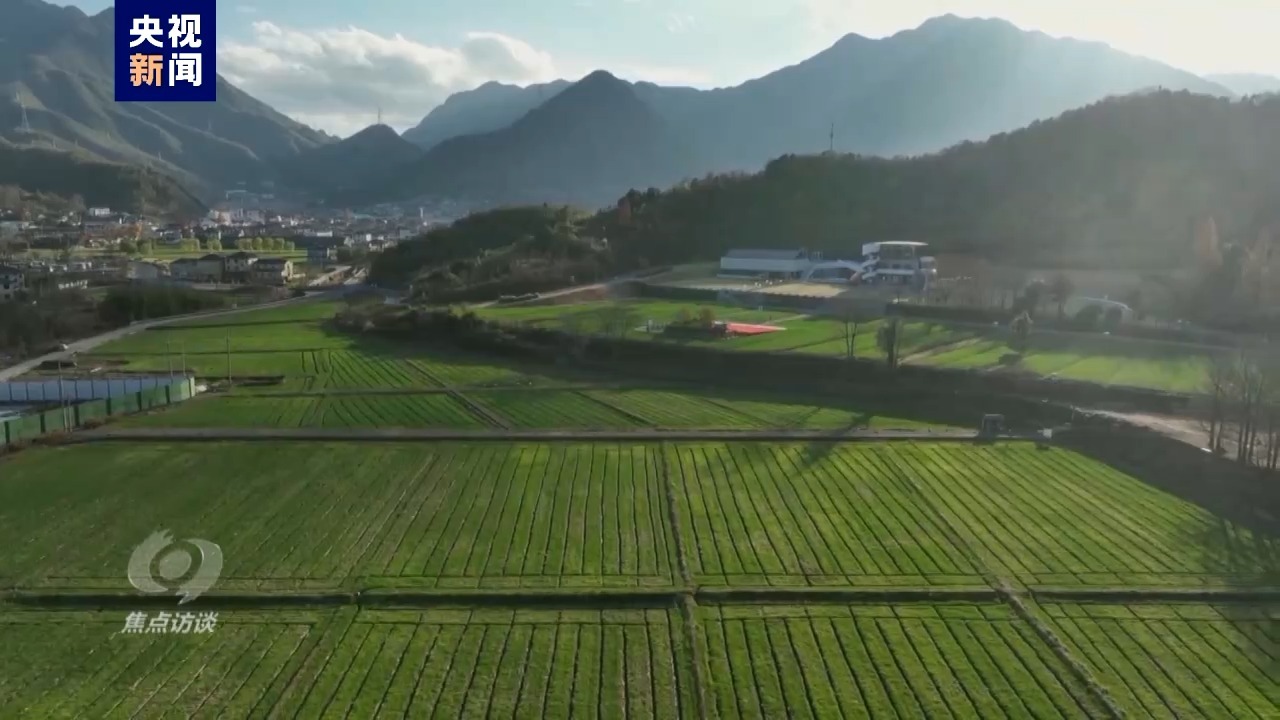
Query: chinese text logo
{"points": [[183, 623], [162, 565], [165, 50]]}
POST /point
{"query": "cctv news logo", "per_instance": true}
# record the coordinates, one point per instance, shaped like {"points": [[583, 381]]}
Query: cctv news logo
{"points": [[187, 568]]}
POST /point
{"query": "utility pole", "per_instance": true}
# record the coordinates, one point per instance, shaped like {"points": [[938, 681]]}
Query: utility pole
{"points": [[833, 138]]}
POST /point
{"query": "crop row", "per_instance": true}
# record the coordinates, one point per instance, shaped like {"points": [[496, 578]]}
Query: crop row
{"points": [[500, 664], [814, 661], [1053, 517], [292, 516], [1179, 661], [759, 515], [1179, 371], [507, 515], [842, 662], [552, 409], [73, 665]]}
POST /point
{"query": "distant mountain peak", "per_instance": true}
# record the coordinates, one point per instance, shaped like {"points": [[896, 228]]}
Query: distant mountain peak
{"points": [[600, 76], [377, 130]]}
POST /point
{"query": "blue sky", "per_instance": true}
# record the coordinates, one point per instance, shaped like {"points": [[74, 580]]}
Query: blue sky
{"points": [[331, 63]]}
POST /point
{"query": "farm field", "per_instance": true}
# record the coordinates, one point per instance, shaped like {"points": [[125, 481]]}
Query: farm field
{"points": [[293, 516], [302, 335], [569, 579], [495, 515], [435, 663], [803, 333], [1184, 373], [1178, 660], [832, 661], [64, 664], [1054, 517], [339, 411]]}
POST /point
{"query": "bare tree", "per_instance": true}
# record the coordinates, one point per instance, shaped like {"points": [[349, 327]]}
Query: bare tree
{"points": [[1217, 387]]}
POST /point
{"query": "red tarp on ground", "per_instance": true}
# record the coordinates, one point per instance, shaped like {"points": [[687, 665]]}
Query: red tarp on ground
{"points": [[745, 329]]}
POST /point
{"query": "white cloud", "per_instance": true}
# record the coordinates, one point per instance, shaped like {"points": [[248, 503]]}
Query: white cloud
{"points": [[337, 79], [680, 23]]}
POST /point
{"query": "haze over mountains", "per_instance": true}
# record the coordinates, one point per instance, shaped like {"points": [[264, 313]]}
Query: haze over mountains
{"points": [[56, 62], [919, 91], [587, 142]]}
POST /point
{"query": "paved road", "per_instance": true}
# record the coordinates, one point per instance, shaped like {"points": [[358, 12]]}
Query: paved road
{"points": [[398, 434], [89, 343]]}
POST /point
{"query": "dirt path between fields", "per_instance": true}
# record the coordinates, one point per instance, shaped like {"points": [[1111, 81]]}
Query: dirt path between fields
{"points": [[1188, 430], [504, 435]]}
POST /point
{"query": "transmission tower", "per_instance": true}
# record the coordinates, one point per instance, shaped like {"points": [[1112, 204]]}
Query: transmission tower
{"points": [[379, 114], [26, 125]]}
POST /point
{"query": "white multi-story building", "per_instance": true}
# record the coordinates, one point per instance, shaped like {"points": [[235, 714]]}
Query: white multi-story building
{"points": [[899, 263]]}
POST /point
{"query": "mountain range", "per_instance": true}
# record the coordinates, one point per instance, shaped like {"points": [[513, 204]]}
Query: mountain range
{"points": [[56, 92], [919, 91], [587, 142]]}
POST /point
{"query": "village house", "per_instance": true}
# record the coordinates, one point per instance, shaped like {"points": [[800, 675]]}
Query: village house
{"points": [[210, 269], [273, 271], [238, 266], [143, 271], [184, 269]]}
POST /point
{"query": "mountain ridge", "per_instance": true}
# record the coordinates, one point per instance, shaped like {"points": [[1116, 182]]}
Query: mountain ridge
{"points": [[56, 64], [948, 81]]}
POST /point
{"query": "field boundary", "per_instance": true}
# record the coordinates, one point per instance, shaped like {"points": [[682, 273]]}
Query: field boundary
{"points": [[110, 434], [687, 600], [617, 599]]}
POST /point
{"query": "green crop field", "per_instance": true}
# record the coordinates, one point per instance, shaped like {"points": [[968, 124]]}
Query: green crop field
{"points": [[551, 409], [436, 663], [578, 515], [1182, 660], [320, 515], [568, 579], [339, 411], [78, 665], [1176, 372], [961, 661]]}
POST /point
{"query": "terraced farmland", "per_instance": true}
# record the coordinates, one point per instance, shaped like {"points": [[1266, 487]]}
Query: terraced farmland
{"points": [[319, 515], [1183, 660], [961, 661]]}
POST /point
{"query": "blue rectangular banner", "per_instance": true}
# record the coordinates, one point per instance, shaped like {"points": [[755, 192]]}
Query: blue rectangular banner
{"points": [[165, 51]]}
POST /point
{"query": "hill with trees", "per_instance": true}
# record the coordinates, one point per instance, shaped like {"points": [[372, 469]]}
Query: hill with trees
{"points": [[1123, 182], [347, 164], [96, 183], [510, 251]]}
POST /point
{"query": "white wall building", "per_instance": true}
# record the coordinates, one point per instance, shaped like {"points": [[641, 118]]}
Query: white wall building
{"points": [[899, 263], [772, 264]]}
